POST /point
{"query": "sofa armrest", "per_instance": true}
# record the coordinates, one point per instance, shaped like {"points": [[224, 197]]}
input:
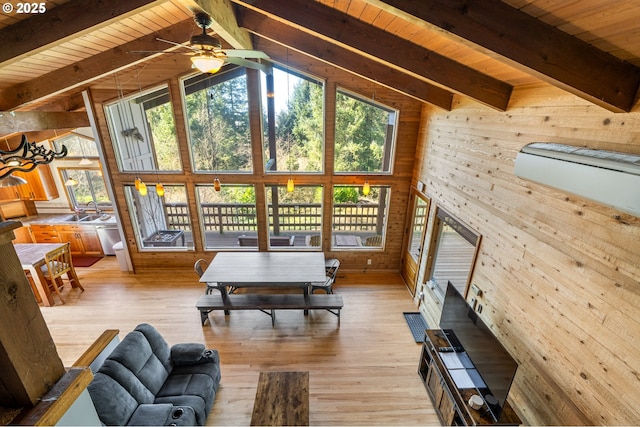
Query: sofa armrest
{"points": [[162, 414], [192, 354]]}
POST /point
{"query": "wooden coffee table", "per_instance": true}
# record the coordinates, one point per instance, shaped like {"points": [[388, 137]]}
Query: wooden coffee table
{"points": [[282, 399]]}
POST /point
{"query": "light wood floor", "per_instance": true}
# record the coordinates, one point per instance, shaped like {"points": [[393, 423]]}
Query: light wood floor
{"points": [[363, 373]]}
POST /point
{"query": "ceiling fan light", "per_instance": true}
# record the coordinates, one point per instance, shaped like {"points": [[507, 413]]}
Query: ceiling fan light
{"points": [[85, 162], [71, 182], [207, 63]]}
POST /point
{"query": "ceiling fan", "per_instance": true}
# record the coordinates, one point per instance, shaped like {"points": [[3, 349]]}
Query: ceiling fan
{"points": [[207, 54]]}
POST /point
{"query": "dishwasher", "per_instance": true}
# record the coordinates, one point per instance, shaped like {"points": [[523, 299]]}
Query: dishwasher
{"points": [[109, 236]]}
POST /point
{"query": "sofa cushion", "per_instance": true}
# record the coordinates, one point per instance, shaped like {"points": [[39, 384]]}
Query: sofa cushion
{"points": [[158, 344], [113, 403], [195, 390], [134, 365]]}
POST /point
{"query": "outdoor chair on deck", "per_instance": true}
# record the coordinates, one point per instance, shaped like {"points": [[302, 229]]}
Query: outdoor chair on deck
{"points": [[314, 240], [58, 263], [373, 241], [331, 267]]}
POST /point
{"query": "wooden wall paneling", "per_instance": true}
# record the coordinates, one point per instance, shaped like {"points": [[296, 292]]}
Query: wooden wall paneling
{"points": [[559, 273]]}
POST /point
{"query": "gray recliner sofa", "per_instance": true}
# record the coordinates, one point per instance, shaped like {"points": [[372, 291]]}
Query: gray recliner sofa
{"points": [[146, 382]]}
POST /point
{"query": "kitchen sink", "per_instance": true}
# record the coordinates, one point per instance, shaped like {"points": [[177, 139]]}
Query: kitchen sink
{"points": [[83, 217]]}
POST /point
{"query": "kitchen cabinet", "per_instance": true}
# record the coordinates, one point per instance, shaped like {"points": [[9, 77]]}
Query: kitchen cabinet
{"points": [[44, 233], [83, 239], [40, 186]]}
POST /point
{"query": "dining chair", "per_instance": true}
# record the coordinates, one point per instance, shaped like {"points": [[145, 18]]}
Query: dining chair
{"points": [[331, 268], [199, 267], [58, 263], [33, 286]]}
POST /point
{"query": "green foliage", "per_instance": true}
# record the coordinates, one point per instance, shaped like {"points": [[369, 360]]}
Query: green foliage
{"points": [[219, 133], [163, 132], [361, 130], [343, 194]]}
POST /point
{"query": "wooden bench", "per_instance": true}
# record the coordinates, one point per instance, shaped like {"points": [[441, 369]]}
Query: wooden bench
{"points": [[273, 240], [269, 302], [282, 399]]}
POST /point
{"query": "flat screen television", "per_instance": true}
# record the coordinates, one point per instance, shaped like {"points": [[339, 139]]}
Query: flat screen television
{"points": [[492, 361]]}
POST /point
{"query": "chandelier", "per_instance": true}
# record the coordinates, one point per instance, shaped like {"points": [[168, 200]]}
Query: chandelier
{"points": [[26, 157]]}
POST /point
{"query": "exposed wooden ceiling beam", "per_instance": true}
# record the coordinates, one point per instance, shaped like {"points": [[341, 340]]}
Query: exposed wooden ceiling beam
{"points": [[27, 121], [58, 24], [83, 72], [224, 21], [530, 45], [343, 58], [402, 55]]}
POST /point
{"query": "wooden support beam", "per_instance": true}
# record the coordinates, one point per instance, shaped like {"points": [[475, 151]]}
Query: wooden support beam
{"points": [[364, 39], [26, 121], [224, 21], [84, 72], [69, 20], [342, 58], [29, 362], [531, 45]]}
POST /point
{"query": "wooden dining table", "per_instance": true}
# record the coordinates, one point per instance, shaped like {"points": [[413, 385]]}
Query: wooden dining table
{"points": [[31, 257], [265, 269]]}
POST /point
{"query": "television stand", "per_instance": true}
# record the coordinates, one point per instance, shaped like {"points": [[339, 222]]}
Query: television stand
{"points": [[451, 388]]}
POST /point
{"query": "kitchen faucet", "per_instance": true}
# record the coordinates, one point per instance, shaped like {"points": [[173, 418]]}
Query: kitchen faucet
{"points": [[98, 211]]}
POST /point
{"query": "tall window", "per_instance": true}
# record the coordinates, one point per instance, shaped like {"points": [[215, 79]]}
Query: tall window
{"points": [[294, 134], [143, 131], [217, 113], [359, 221], [452, 254], [160, 222], [295, 218], [78, 146], [227, 214], [365, 135], [85, 186]]}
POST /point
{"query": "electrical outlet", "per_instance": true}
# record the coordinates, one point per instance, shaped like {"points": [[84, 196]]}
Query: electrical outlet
{"points": [[479, 309], [368, 261]]}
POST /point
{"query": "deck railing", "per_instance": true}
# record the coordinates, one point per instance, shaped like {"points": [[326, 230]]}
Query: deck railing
{"points": [[229, 217]]}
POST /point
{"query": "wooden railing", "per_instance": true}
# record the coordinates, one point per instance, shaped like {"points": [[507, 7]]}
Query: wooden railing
{"points": [[226, 217]]}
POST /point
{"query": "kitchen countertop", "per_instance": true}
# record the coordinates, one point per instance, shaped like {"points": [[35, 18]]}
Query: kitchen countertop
{"points": [[63, 218]]}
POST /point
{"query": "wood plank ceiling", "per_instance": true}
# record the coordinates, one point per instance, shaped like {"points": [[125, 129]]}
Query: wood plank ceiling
{"points": [[432, 50]]}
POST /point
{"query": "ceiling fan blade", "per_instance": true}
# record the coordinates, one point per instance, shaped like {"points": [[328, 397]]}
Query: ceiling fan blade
{"points": [[156, 51], [243, 53], [176, 44], [249, 64]]}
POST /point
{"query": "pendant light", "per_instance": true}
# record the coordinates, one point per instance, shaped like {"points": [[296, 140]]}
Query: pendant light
{"points": [[290, 185], [12, 181], [216, 184], [160, 190], [142, 188], [366, 188], [70, 182], [84, 161]]}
